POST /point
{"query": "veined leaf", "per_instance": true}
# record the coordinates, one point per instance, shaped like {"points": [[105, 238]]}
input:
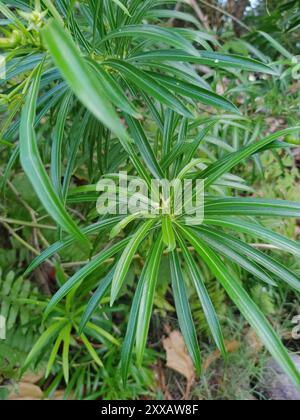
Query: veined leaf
{"points": [[96, 299], [252, 207], [206, 58], [126, 258], [245, 304], [150, 273], [197, 93], [224, 165], [113, 90], [34, 167], [60, 245], [152, 32], [168, 233], [183, 311], [82, 81], [256, 231], [283, 273], [149, 84], [84, 272], [144, 147], [42, 342], [128, 344], [58, 135], [215, 242], [207, 305]]}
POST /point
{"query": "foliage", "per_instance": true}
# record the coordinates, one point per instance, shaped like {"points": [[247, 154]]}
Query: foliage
{"points": [[97, 87]]}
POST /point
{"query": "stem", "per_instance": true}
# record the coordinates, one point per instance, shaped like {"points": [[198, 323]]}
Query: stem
{"points": [[220, 10], [19, 239], [199, 13], [24, 223]]}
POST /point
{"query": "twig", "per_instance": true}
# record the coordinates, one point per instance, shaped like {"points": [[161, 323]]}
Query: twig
{"points": [[199, 13], [224, 12], [24, 223], [19, 239]]}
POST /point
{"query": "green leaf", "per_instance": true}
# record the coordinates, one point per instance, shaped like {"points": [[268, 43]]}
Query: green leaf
{"points": [[66, 335], [183, 310], [168, 233], [96, 299], [257, 231], [207, 58], [42, 342], [62, 244], [150, 85], [126, 258], [83, 82], [152, 32], [207, 305], [57, 142], [252, 207], [283, 273], [102, 333], [219, 168], [121, 5], [146, 303], [113, 90], [91, 350], [197, 93], [247, 307], [127, 348], [216, 242], [144, 147], [53, 355], [35, 169], [280, 48], [84, 272]]}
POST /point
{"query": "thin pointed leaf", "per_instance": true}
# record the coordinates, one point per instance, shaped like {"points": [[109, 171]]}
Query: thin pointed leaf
{"points": [[168, 233], [83, 82], [257, 231], [207, 305], [224, 165], [96, 299], [207, 58], [91, 350], [84, 272], [34, 167], [148, 84], [252, 207], [42, 342], [197, 93], [146, 304], [283, 273], [184, 312], [245, 304], [62, 244], [126, 258]]}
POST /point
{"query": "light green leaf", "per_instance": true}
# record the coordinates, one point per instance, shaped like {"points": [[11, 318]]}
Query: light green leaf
{"points": [[247, 307], [207, 58], [168, 233], [126, 258], [35, 169], [82, 81], [146, 303], [207, 305], [183, 310], [84, 272]]}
